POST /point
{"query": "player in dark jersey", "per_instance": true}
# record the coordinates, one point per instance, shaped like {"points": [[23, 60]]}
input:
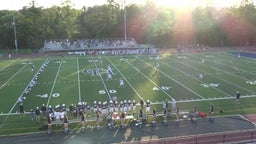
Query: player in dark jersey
{"points": [[134, 106], [238, 97], [211, 113], [83, 121], [194, 115], [65, 121], [37, 112], [22, 110], [177, 113], [49, 124], [141, 103], [98, 119], [43, 109], [154, 118]]}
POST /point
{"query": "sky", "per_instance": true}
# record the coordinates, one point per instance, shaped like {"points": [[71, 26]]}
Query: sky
{"points": [[19, 4]]}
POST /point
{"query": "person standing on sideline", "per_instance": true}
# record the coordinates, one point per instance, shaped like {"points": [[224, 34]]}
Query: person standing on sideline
{"points": [[211, 113], [148, 106], [37, 114], [49, 123], [238, 97], [32, 115], [65, 121], [173, 102], [141, 103], [22, 110], [83, 121]]}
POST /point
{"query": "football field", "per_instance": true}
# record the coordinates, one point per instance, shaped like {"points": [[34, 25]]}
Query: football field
{"points": [[200, 80]]}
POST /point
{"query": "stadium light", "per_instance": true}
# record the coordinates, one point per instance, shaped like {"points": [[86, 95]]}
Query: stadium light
{"points": [[15, 35]]}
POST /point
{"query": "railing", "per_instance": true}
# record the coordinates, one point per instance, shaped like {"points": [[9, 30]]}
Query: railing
{"points": [[232, 137]]}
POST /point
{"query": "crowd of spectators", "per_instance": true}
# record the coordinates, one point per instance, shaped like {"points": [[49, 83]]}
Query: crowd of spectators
{"points": [[88, 43]]}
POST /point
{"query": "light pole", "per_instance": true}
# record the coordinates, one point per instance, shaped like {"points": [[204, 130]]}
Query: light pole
{"points": [[15, 35], [124, 21]]}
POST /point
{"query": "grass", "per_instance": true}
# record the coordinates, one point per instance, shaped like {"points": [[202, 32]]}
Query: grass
{"points": [[173, 76]]}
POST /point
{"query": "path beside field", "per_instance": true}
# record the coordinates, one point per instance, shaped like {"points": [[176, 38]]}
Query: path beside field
{"points": [[202, 132]]}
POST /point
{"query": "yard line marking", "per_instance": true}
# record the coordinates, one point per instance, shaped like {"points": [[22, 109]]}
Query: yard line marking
{"points": [[15, 102], [195, 78], [102, 80], [78, 80], [150, 80], [17, 99], [125, 79], [12, 77], [226, 72], [215, 76], [208, 99], [9, 64], [174, 80], [49, 98], [249, 72]]}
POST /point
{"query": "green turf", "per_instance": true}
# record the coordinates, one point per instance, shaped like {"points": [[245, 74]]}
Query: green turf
{"points": [[64, 82]]}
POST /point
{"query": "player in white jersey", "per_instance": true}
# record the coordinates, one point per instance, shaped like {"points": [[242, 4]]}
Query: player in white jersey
{"points": [[121, 106], [111, 106], [201, 76], [104, 108], [116, 105], [125, 106], [148, 106], [109, 76], [95, 106], [121, 83], [129, 105]]}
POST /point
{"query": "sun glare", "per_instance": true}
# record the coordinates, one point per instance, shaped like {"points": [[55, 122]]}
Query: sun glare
{"points": [[176, 3]]}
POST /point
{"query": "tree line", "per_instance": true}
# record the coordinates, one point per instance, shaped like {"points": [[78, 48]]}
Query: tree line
{"points": [[149, 23]]}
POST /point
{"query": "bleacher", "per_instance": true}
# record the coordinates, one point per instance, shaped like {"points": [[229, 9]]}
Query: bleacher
{"points": [[104, 46]]}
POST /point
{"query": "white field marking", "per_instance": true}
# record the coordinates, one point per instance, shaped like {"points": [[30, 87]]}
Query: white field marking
{"points": [[160, 103], [196, 78], [230, 73], [102, 81], [17, 99], [247, 60], [50, 96], [9, 64], [12, 77], [174, 80], [216, 77], [78, 80], [241, 69], [207, 99], [149, 79], [126, 79], [247, 120]]}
